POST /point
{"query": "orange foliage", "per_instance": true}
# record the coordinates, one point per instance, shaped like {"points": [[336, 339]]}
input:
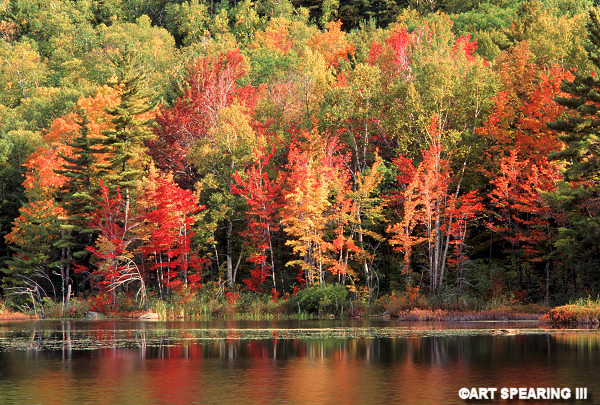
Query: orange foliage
{"points": [[522, 108], [521, 212], [427, 201], [332, 44], [42, 180], [44, 162], [7, 315], [275, 37], [315, 199]]}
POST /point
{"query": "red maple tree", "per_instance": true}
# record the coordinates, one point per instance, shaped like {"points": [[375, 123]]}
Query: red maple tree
{"points": [[211, 85], [263, 198]]}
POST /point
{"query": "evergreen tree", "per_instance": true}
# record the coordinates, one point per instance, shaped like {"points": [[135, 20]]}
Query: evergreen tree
{"points": [[34, 233], [81, 189], [79, 197], [579, 241], [126, 143]]}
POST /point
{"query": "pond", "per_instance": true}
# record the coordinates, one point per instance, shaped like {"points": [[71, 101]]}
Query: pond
{"points": [[294, 362]]}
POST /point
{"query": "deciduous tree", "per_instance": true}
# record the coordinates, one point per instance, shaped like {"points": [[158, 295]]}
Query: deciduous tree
{"points": [[263, 197], [432, 210]]}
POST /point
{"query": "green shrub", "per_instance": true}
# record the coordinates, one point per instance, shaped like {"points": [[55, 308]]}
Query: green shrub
{"points": [[77, 308], [321, 299]]}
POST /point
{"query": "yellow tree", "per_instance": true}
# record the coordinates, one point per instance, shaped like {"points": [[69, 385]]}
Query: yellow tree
{"points": [[314, 197]]}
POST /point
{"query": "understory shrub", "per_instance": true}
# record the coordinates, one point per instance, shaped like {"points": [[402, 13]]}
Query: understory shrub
{"points": [[321, 299]]}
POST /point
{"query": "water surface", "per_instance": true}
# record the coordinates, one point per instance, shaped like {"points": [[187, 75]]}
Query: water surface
{"points": [[296, 362]]}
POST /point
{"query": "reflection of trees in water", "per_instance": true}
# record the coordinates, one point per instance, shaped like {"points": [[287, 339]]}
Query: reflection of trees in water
{"points": [[144, 340], [67, 346], [439, 352], [279, 368]]}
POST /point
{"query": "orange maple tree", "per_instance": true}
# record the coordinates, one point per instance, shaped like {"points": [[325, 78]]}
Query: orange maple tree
{"points": [[430, 211], [522, 108], [521, 214]]}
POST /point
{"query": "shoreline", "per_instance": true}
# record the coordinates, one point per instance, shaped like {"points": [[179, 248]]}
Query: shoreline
{"points": [[411, 315], [570, 315]]}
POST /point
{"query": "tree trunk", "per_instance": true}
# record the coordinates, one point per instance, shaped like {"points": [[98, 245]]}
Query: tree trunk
{"points": [[547, 283], [229, 253]]}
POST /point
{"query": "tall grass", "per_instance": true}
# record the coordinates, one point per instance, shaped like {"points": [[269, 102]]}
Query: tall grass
{"points": [[236, 307], [7, 314]]}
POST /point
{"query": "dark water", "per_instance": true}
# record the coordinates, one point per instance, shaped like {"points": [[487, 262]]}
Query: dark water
{"points": [[302, 362]]}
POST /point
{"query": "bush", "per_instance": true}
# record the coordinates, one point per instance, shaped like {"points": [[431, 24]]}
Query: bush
{"points": [[395, 304], [77, 308], [583, 312], [257, 305], [321, 299], [7, 314]]}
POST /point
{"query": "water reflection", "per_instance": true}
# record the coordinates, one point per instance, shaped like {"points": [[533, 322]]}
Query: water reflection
{"points": [[229, 362]]}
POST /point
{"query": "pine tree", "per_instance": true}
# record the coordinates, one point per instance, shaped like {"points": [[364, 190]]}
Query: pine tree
{"points": [[78, 198], [579, 196], [580, 129], [126, 143], [81, 188]]}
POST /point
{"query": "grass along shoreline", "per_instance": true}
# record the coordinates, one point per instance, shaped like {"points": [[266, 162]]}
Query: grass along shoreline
{"points": [[312, 303], [252, 307], [412, 315]]}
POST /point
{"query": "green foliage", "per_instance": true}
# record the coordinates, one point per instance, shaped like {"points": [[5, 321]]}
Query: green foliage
{"points": [[275, 8], [246, 22], [46, 104], [56, 310], [578, 242], [187, 21], [269, 64], [22, 70], [126, 143], [81, 193], [148, 49], [322, 299], [15, 146]]}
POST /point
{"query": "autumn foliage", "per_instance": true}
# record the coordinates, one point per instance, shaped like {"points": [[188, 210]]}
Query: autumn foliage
{"points": [[250, 150]]}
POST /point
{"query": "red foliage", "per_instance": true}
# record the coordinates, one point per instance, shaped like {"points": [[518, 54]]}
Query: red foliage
{"points": [[263, 198], [211, 85], [232, 298], [170, 212], [102, 302], [113, 264], [521, 212], [392, 57], [522, 108], [464, 43], [274, 295], [114, 221]]}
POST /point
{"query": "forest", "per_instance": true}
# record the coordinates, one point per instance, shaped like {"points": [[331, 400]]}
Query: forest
{"points": [[289, 151]]}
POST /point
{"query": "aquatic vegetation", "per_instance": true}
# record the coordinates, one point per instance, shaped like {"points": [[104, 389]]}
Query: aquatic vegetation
{"points": [[94, 335]]}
